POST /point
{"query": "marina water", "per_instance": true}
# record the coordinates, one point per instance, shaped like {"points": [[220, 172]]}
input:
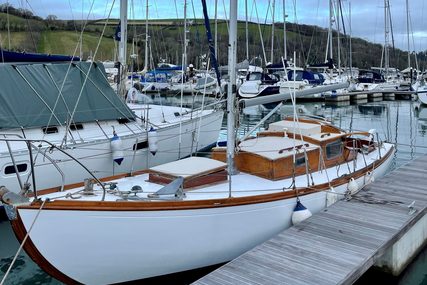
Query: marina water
{"points": [[403, 122]]}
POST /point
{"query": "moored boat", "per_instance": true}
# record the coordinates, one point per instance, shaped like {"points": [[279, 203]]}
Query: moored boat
{"points": [[73, 107], [195, 212], [202, 216]]}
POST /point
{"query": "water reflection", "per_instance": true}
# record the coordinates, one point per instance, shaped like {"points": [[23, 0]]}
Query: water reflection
{"points": [[421, 114]]}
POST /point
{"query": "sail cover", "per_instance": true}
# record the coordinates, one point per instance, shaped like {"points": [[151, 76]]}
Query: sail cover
{"points": [[39, 95], [11, 56]]}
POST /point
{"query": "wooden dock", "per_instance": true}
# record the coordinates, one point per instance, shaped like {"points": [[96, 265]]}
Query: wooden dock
{"points": [[337, 245], [362, 95]]}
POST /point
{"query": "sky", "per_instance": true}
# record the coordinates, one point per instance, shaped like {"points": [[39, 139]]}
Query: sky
{"points": [[367, 16]]}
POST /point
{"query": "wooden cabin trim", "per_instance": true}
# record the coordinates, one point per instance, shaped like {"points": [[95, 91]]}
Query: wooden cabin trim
{"points": [[269, 134], [191, 181], [272, 169], [75, 205], [32, 251], [325, 126]]}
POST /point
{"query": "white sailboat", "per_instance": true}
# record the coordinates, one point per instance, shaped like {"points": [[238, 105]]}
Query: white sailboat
{"points": [[209, 212], [420, 87]]}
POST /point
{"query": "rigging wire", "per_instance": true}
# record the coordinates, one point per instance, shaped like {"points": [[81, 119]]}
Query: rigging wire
{"points": [[260, 32], [162, 37], [29, 26], [91, 64]]}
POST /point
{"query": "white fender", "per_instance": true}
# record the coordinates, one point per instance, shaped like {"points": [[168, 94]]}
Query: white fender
{"points": [[152, 141], [369, 177], [300, 213], [117, 149], [352, 186], [331, 197]]}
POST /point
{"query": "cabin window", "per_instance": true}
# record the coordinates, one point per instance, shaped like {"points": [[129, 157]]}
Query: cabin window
{"points": [[254, 76], [123, 120], [75, 127], [300, 161], [22, 167], [50, 130], [334, 149], [140, 145]]}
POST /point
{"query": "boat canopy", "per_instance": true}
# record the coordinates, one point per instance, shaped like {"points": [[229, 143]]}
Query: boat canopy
{"points": [[39, 95], [314, 78], [11, 56]]}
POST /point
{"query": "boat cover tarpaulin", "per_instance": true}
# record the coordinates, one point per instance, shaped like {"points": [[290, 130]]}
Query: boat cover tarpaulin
{"points": [[30, 95], [11, 56]]}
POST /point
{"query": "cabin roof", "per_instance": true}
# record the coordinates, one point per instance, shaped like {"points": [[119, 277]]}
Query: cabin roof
{"points": [[306, 129], [274, 147], [190, 166]]}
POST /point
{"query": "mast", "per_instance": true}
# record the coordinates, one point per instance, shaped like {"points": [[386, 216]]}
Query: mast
{"points": [[407, 32], [216, 27], [122, 46], [284, 30], [81, 39], [350, 51], [330, 28], [272, 31], [338, 35], [232, 54], [247, 31], [184, 63], [386, 35], [146, 38]]}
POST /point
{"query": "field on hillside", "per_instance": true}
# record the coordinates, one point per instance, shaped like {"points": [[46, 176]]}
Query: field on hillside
{"points": [[65, 42]]}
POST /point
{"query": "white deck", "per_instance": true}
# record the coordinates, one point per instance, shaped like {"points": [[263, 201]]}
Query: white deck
{"points": [[242, 184], [305, 129]]}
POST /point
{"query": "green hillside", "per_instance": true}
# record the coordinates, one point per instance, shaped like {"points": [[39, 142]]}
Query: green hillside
{"points": [[33, 34], [65, 42]]}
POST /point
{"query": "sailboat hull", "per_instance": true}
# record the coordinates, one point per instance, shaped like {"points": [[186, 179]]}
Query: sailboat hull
{"points": [[101, 245], [174, 142], [422, 96]]}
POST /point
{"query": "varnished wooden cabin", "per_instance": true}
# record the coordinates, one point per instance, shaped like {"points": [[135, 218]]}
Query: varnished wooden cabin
{"points": [[317, 145]]}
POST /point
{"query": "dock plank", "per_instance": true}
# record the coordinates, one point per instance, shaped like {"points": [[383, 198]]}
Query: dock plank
{"points": [[337, 245]]}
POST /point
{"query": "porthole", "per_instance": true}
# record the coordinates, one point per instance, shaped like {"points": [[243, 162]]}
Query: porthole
{"points": [[10, 169], [140, 145]]}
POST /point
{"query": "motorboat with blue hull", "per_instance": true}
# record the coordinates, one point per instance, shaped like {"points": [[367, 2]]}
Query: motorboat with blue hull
{"points": [[259, 84]]}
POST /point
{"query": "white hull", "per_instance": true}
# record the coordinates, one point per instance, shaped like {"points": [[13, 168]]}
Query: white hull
{"points": [[155, 86], [422, 97], [420, 88], [94, 151], [146, 244], [386, 86], [104, 246]]}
